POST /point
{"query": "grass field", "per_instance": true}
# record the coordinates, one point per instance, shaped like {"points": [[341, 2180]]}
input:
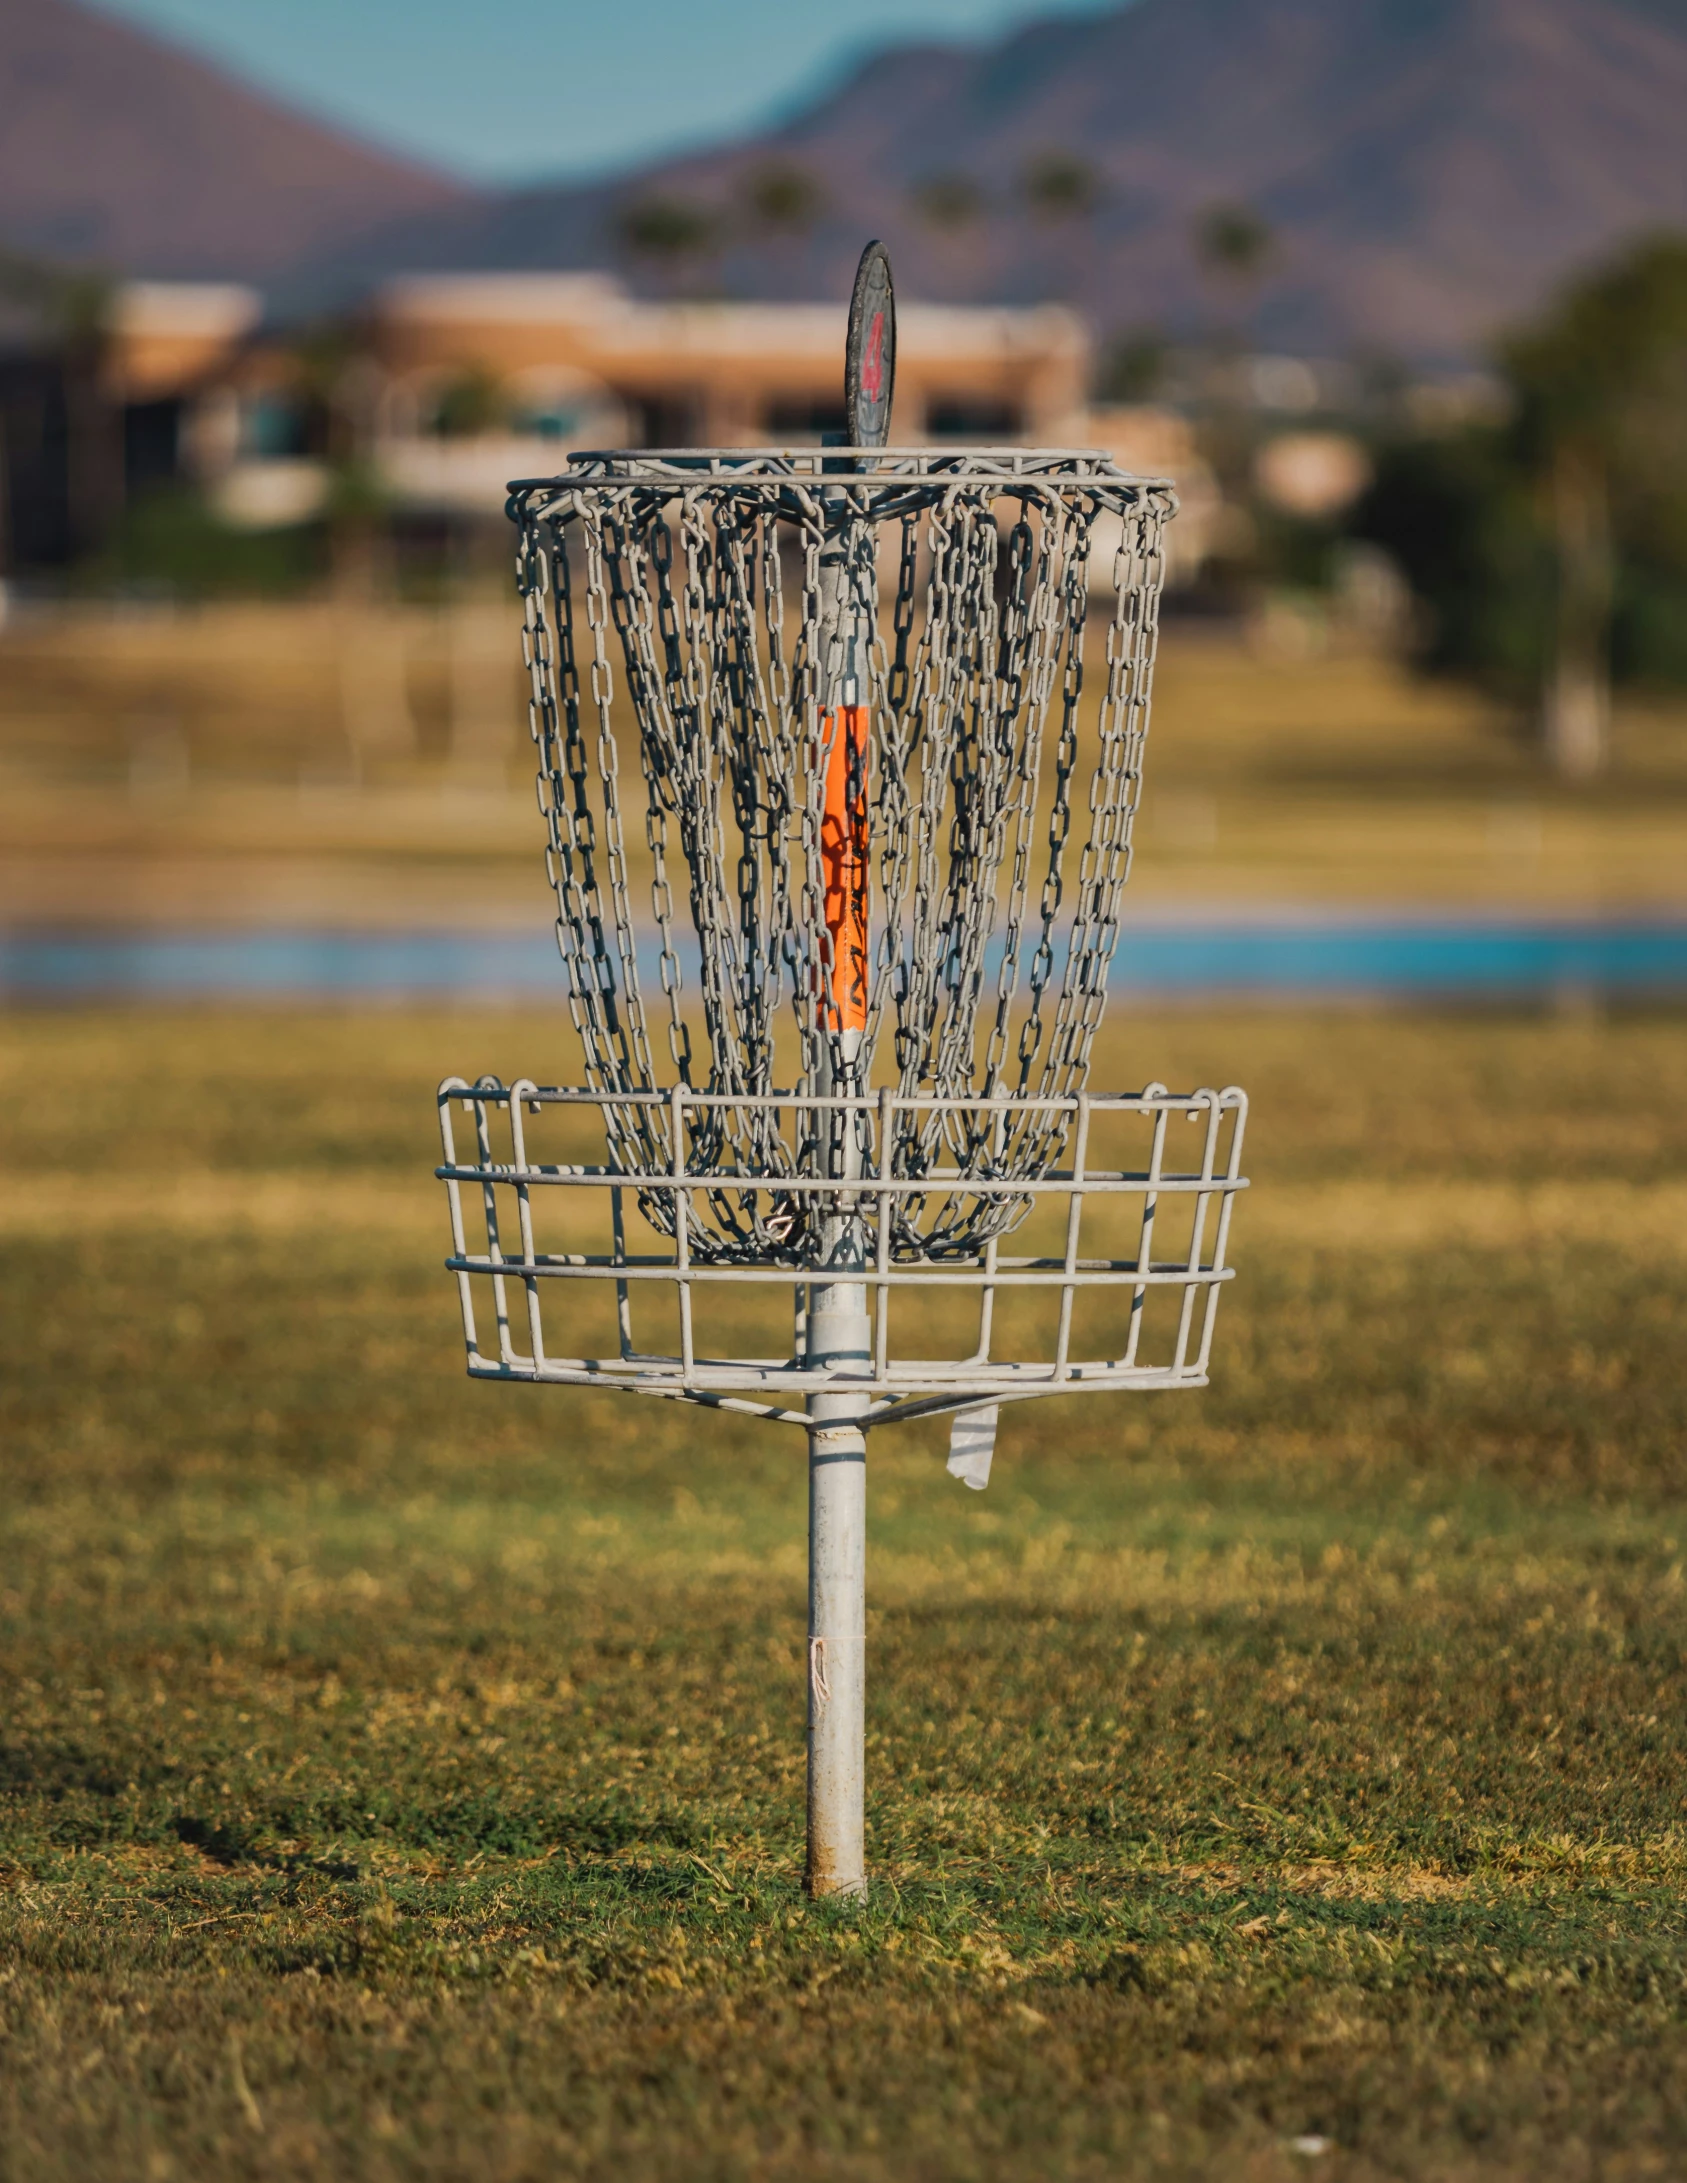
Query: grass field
{"points": [[313, 765], [400, 1779]]}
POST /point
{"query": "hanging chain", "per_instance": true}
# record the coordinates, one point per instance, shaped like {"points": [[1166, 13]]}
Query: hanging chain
{"points": [[1000, 800]]}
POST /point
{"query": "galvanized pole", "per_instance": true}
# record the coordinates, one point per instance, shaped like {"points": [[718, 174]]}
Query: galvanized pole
{"points": [[837, 1601], [838, 1334], [838, 1338]]}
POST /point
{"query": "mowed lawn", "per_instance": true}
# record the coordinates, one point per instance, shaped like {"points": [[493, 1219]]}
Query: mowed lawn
{"points": [[404, 1779], [305, 764]]}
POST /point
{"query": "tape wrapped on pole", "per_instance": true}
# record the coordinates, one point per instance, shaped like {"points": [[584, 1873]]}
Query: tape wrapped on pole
{"points": [[972, 1444]]}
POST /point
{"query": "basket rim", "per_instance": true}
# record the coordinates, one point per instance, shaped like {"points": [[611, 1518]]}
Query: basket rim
{"points": [[1074, 466]]}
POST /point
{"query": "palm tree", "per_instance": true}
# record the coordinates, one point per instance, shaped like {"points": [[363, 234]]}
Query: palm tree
{"points": [[1233, 243], [671, 234], [1060, 186]]}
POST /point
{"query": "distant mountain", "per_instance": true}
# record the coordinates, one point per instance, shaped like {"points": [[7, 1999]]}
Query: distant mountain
{"points": [[119, 150], [1428, 169]]}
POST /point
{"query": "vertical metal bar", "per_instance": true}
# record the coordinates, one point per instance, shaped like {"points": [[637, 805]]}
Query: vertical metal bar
{"points": [[1198, 1221], [623, 1291], [839, 1340], [1074, 1219], [682, 1235], [1145, 1240], [986, 1305], [524, 1213], [483, 1098], [881, 1300], [837, 1632], [1204, 1341], [1197, 1236], [987, 1295], [1237, 1103], [454, 1195]]}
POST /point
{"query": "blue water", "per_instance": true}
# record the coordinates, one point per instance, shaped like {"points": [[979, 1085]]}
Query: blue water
{"points": [[1423, 956]]}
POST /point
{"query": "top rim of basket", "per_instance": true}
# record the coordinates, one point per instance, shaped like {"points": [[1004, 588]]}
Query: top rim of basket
{"points": [[1071, 466]]}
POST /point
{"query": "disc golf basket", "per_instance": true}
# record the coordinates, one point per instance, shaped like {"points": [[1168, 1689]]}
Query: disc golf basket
{"points": [[838, 757]]}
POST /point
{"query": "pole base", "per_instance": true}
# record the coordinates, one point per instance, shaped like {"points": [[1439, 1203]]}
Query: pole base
{"points": [[849, 1891], [837, 1649]]}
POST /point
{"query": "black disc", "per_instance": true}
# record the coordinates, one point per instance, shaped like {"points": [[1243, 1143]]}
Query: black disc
{"points": [[870, 359]]}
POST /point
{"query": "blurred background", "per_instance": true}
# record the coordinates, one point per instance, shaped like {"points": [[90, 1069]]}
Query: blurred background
{"points": [[1397, 295]]}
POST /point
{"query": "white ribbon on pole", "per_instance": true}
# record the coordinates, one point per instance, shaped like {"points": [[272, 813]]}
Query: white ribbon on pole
{"points": [[972, 1442]]}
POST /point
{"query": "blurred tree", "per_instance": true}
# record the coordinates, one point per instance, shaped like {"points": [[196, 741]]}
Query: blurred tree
{"points": [[1551, 550], [784, 196], [1059, 185], [1134, 368], [338, 386], [1457, 516], [472, 403], [1233, 246], [1233, 243], [70, 301], [169, 541], [668, 230], [948, 201], [1601, 386], [60, 315]]}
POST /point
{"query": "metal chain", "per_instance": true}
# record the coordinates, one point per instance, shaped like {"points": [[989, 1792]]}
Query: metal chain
{"points": [[985, 905]]}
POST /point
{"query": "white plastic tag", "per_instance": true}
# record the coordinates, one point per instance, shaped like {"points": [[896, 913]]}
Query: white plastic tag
{"points": [[972, 1442]]}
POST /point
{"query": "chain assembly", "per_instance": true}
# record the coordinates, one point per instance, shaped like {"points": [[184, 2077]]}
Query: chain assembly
{"points": [[979, 627]]}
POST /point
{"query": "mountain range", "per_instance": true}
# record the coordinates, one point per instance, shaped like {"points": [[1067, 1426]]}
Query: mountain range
{"points": [[1406, 174], [119, 150]]}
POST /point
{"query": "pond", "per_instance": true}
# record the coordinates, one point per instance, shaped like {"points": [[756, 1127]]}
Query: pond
{"points": [[1270, 957]]}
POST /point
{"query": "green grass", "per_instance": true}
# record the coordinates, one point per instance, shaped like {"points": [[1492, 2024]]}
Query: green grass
{"points": [[403, 1779], [199, 769]]}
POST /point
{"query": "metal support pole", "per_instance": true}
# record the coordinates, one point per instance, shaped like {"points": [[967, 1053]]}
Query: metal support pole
{"points": [[838, 1338], [837, 1609]]}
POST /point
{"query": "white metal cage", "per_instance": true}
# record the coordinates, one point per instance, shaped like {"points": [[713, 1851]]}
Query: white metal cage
{"points": [[1133, 1229]]}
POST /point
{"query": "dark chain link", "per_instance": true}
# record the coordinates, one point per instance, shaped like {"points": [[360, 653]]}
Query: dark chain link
{"points": [[992, 930]]}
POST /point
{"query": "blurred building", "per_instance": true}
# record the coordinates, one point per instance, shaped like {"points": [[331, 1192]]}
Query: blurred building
{"points": [[1315, 475], [573, 360], [449, 386], [437, 391], [98, 399], [1156, 442]]}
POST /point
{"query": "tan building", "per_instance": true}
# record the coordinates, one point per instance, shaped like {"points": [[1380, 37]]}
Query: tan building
{"points": [[541, 362], [455, 383], [726, 374], [164, 337]]}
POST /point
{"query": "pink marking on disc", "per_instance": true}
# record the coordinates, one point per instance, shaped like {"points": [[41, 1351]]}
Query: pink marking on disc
{"points": [[873, 363]]}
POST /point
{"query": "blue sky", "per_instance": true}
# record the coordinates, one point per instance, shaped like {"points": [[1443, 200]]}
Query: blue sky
{"points": [[505, 90]]}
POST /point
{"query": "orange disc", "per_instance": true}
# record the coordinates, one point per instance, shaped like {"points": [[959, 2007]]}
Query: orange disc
{"points": [[843, 858]]}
